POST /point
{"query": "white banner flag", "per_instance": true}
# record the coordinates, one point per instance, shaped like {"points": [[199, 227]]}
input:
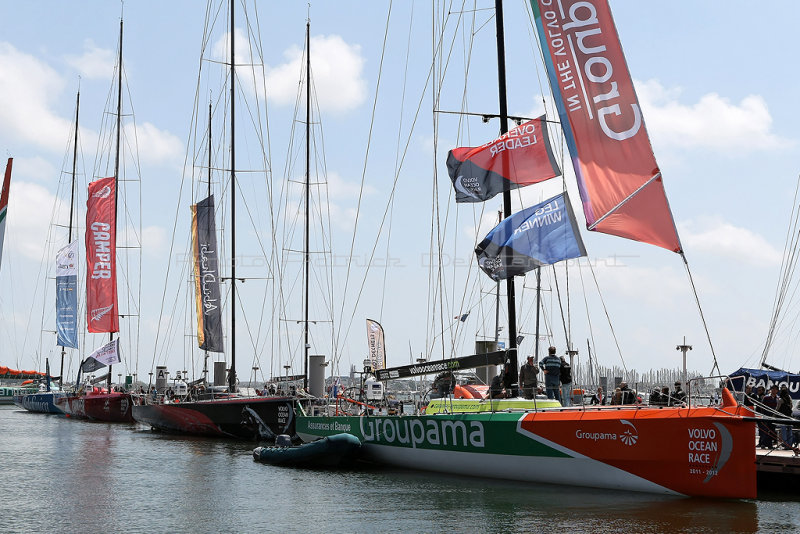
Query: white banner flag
{"points": [[377, 352], [108, 354]]}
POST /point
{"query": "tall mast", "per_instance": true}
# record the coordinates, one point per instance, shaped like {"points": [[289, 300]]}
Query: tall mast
{"points": [[513, 368], [205, 355], [232, 374], [116, 160], [71, 209], [308, 197]]}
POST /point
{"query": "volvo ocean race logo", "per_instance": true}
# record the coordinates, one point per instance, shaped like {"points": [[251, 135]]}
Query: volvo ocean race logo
{"points": [[468, 187], [103, 193]]}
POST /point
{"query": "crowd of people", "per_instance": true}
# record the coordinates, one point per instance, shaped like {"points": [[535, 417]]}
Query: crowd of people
{"points": [[775, 403]]}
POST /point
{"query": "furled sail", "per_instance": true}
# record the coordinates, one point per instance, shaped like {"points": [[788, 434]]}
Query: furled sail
{"points": [[101, 257], [67, 296], [206, 276], [518, 158], [619, 181], [4, 203], [539, 235]]}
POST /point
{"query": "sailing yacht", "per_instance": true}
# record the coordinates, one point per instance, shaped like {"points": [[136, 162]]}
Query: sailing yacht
{"points": [[686, 450], [222, 409], [95, 399]]}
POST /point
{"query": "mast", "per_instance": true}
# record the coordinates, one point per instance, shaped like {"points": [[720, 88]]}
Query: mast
{"points": [[205, 355], [232, 373], [306, 259], [71, 210], [116, 161], [513, 368]]}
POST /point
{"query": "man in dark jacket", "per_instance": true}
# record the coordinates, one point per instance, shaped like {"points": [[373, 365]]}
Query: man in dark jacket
{"points": [[496, 387], [528, 378], [565, 376], [678, 396], [628, 395]]}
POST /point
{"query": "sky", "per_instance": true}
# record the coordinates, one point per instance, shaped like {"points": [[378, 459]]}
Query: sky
{"points": [[718, 95]]}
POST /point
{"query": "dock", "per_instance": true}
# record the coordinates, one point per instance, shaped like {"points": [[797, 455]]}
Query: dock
{"points": [[777, 466]]}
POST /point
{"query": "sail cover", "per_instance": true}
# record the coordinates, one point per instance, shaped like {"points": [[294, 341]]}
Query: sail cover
{"points": [[67, 296], [540, 235], [101, 257], [4, 203], [206, 276], [375, 340], [618, 178], [518, 158]]}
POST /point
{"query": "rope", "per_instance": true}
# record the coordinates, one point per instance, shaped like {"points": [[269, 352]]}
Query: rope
{"points": [[608, 317], [702, 316]]}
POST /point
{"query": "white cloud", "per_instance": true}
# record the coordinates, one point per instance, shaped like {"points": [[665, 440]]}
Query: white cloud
{"points": [[27, 89], [339, 188], [336, 69], [35, 168], [29, 209], [664, 285], [95, 63], [713, 122], [157, 145], [720, 238]]}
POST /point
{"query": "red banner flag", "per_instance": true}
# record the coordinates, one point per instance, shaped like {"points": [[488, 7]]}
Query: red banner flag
{"points": [[101, 257], [618, 177], [518, 158]]}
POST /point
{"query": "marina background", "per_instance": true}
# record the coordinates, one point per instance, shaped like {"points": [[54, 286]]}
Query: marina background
{"points": [[76, 476]]}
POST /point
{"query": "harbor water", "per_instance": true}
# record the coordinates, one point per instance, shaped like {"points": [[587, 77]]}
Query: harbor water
{"points": [[63, 475]]}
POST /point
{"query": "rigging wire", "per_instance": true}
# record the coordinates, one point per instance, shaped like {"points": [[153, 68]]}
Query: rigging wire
{"points": [[787, 270], [715, 368]]}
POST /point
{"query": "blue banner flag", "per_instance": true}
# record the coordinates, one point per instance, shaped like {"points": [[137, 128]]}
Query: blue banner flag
{"points": [[67, 296], [756, 378], [540, 235]]}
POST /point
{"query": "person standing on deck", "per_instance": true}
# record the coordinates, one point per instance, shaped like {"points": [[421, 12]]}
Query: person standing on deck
{"points": [[565, 376], [552, 373], [528, 378]]}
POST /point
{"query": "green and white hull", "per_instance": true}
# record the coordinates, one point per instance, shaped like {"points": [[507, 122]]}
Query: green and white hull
{"points": [[674, 451]]}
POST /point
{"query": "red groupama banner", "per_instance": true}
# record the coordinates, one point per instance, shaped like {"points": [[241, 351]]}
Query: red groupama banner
{"points": [[618, 177], [101, 253]]}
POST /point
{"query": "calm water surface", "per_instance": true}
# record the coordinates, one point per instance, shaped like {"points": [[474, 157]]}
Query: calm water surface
{"points": [[62, 475]]}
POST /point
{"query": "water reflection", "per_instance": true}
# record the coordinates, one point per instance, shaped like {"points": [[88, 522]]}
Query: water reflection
{"points": [[75, 476]]}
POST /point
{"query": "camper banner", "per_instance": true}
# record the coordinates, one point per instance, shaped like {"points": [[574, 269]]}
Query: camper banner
{"points": [[101, 257]]}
